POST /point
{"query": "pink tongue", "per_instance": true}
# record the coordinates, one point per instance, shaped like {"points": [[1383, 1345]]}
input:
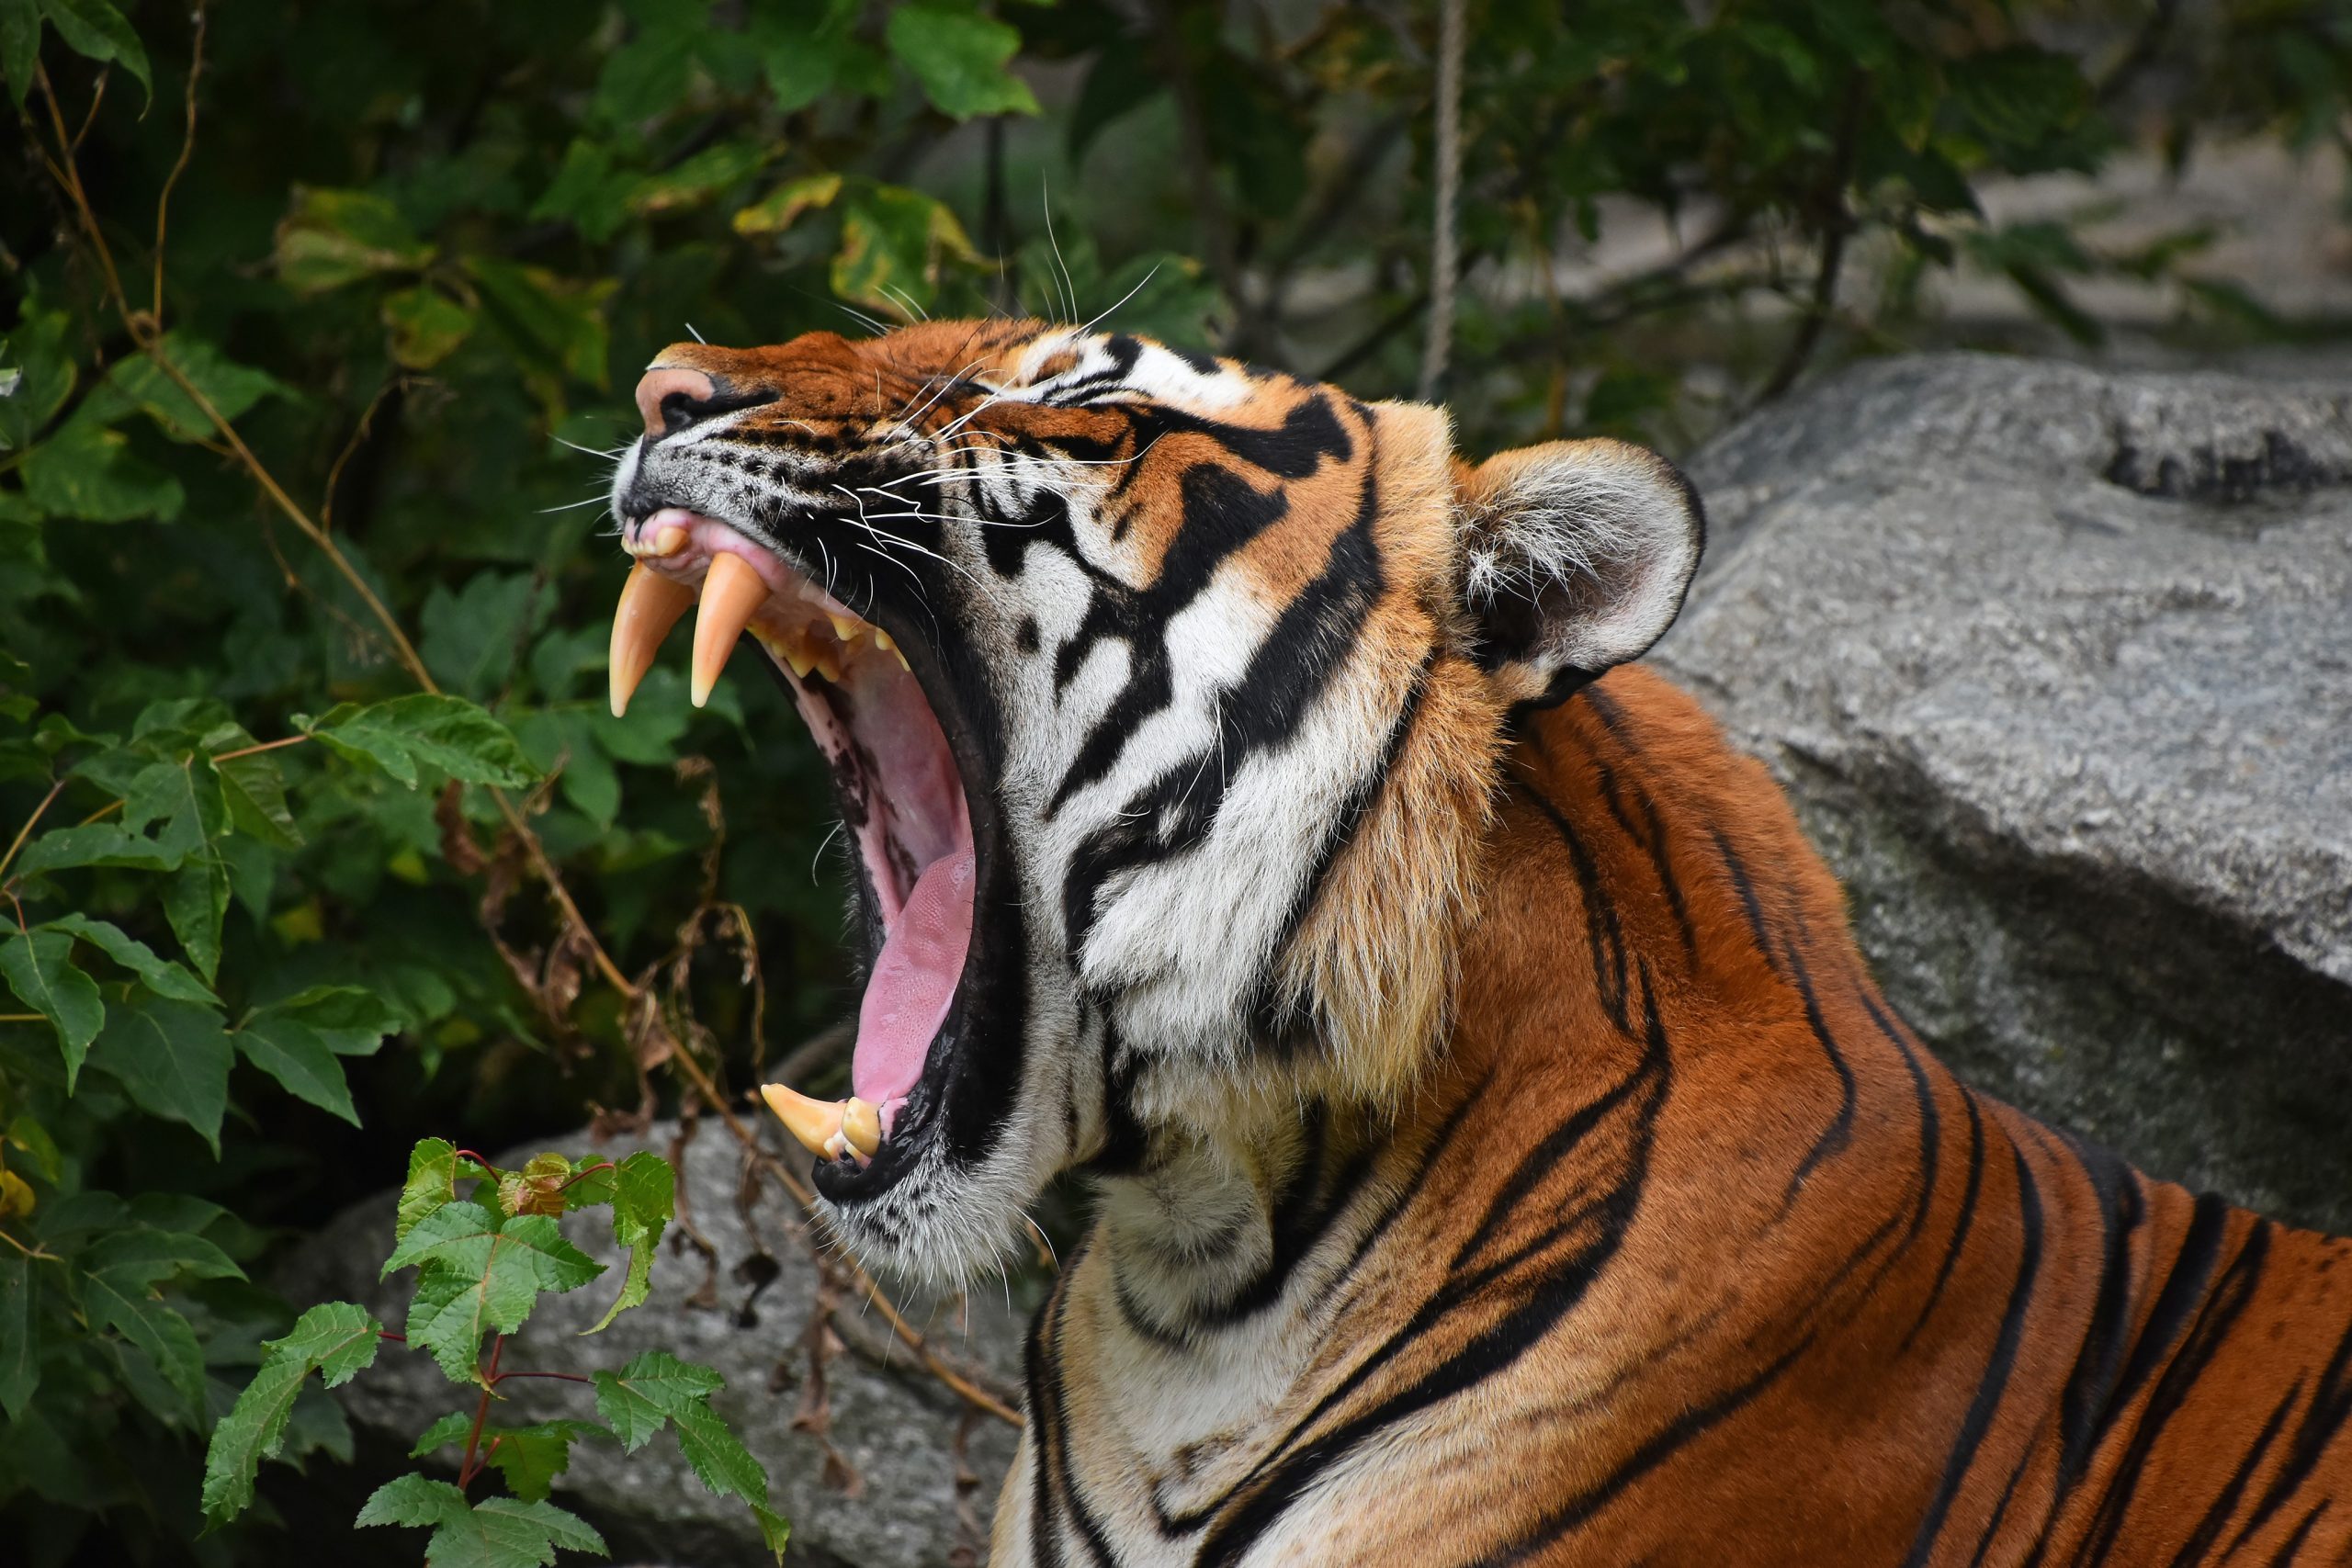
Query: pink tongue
{"points": [[914, 981]]}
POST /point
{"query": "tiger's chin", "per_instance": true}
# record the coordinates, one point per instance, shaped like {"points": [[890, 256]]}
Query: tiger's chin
{"points": [[874, 696]]}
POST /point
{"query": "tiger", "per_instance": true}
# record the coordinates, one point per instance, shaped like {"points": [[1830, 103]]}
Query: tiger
{"points": [[1500, 1152]]}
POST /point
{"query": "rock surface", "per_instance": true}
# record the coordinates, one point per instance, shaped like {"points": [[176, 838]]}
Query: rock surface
{"points": [[902, 1437], [2058, 668]]}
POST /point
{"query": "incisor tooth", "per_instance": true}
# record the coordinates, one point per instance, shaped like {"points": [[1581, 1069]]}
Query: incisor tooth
{"points": [[650, 605], [862, 1125], [844, 627], [732, 596], [814, 1123]]}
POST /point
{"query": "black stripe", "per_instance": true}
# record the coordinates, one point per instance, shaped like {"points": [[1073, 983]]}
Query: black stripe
{"points": [[1757, 925], [1275, 1483], [1996, 1381], [1678, 1433], [2176, 1303], [2100, 1359], [2331, 1406], [2215, 1318], [1311, 641], [2295, 1543], [2207, 1527], [1603, 937], [1962, 1223], [1277, 1026], [1834, 1138], [1055, 1483]]}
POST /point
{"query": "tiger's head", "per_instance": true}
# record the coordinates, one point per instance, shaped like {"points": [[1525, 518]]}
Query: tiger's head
{"points": [[1163, 697]]}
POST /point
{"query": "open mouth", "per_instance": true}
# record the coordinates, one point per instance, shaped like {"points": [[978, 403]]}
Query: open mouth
{"points": [[895, 774]]}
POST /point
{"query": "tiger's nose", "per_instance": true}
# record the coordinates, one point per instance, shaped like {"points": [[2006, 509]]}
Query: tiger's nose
{"points": [[671, 398]]}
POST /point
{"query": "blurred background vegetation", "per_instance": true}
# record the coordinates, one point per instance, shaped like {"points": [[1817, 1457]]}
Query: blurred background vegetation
{"points": [[312, 354]]}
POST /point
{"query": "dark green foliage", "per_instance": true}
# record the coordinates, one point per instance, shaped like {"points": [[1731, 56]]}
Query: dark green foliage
{"points": [[303, 605], [482, 1261]]}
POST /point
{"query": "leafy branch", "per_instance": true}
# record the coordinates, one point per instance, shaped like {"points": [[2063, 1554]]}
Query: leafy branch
{"points": [[486, 1246]]}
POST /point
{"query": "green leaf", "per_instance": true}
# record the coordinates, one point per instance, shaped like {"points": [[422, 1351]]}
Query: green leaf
{"points": [[446, 1318], [19, 46], [195, 901], [409, 734], [497, 1533], [163, 1335], [137, 382], [450, 1429], [292, 1053], [644, 1200], [427, 326], [651, 1390], [334, 237], [777, 210], [808, 50], [40, 969], [721, 1460], [95, 29], [434, 1172], [100, 844], [413, 1500], [456, 1235], [530, 1458], [480, 1273], [551, 318], [591, 189], [895, 245], [473, 637], [657, 1387], [145, 1254], [698, 179], [775, 1531], [338, 1339], [88, 471], [162, 976], [173, 1056], [42, 344], [297, 1042], [959, 57], [253, 788], [185, 796], [19, 1336]]}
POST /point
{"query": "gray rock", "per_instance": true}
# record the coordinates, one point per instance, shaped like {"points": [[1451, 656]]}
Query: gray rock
{"points": [[2057, 666], [894, 1499]]}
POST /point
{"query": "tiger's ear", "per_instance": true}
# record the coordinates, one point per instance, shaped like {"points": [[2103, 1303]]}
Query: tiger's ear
{"points": [[1575, 557]]}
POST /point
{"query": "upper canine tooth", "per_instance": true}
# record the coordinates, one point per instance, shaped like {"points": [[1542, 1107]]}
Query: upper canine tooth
{"points": [[732, 596], [650, 605], [814, 1123]]}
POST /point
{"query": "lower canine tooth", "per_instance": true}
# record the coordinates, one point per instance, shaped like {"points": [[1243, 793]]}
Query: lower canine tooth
{"points": [[732, 596], [813, 1122], [862, 1125], [650, 605]]}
